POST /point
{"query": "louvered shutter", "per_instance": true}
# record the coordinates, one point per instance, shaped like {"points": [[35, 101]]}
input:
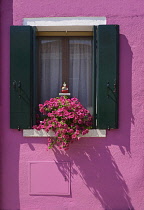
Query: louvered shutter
{"points": [[107, 53], [21, 76]]}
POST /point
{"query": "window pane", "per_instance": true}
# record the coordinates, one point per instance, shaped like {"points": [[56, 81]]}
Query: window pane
{"points": [[50, 68], [65, 59], [80, 80]]}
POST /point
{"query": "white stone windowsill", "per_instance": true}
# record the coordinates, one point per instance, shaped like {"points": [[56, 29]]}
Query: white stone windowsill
{"points": [[42, 133]]}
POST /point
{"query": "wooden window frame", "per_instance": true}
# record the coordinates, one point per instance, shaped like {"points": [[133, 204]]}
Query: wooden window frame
{"points": [[64, 33], [64, 36]]}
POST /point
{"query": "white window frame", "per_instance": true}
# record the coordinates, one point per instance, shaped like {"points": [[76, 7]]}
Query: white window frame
{"points": [[64, 24]]}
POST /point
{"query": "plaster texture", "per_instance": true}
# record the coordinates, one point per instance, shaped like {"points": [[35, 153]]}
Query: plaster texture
{"points": [[106, 173]]}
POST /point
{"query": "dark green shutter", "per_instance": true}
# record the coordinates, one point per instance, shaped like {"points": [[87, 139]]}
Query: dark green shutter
{"points": [[107, 76], [21, 76]]}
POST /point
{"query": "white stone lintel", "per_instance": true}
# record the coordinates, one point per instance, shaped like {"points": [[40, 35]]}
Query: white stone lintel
{"points": [[65, 21]]}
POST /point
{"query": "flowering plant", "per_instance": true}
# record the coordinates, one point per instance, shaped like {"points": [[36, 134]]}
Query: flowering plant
{"points": [[67, 118]]}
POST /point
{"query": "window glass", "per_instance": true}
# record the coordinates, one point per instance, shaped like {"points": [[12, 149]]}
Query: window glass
{"points": [[80, 76], [50, 68], [65, 59]]}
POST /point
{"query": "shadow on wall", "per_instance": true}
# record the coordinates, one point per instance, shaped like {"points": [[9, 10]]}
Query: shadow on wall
{"points": [[121, 137], [93, 161], [99, 172]]}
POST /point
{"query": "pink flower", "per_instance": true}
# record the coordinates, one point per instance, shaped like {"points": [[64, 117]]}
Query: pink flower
{"points": [[85, 132], [77, 132], [80, 121], [67, 118], [74, 136], [34, 126], [71, 131]]}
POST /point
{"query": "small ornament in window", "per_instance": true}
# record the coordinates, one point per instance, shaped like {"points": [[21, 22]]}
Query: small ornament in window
{"points": [[64, 90]]}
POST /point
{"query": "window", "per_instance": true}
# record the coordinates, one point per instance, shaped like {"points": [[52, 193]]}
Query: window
{"points": [[104, 76], [65, 59]]}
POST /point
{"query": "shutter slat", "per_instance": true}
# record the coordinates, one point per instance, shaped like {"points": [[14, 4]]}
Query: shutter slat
{"points": [[107, 76], [21, 65]]}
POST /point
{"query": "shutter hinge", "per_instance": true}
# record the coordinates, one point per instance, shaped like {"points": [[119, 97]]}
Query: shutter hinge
{"points": [[19, 89], [14, 84]]}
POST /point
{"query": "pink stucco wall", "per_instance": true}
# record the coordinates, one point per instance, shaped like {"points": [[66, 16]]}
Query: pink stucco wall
{"points": [[107, 173]]}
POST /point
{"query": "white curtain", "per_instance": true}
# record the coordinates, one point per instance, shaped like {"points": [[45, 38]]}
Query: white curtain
{"points": [[50, 69], [80, 80], [80, 69]]}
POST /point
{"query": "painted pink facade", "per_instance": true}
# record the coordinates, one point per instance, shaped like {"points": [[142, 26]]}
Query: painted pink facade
{"points": [[106, 173]]}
